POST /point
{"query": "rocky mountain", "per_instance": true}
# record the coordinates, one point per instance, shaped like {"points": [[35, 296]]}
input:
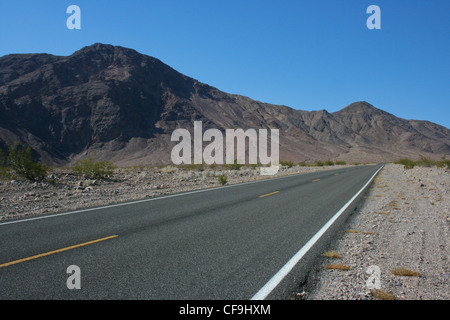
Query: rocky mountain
{"points": [[123, 106]]}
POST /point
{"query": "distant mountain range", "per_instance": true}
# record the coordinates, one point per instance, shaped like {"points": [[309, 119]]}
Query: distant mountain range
{"points": [[123, 106]]}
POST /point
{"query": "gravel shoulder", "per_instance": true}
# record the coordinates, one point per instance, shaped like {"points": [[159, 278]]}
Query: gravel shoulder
{"points": [[395, 246]]}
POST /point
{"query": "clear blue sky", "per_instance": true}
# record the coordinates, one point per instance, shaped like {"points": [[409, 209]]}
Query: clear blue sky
{"points": [[308, 55]]}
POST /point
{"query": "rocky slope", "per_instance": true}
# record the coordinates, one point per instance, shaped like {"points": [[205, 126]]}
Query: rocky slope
{"points": [[123, 106]]}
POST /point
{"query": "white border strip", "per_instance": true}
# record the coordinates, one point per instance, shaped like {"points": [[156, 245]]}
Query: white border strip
{"points": [[284, 271]]}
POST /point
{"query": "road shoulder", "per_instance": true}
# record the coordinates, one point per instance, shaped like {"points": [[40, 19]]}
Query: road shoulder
{"points": [[395, 246]]}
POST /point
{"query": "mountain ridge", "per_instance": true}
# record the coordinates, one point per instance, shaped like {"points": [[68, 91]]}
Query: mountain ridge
{"points": [[122, 106]]}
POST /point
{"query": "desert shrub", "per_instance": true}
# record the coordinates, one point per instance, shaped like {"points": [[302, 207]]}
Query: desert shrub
{"points": [[194, 167], [318, 163], [233, 166], [286, 163], [4, 170], [329, 163], [424, 162], [332, 255], [222, 179], [4, 173], [212, 166], [382, 294], [3, 159], [340, 162], [407, 164], [93, 169], [20, 160], [405, 272], [402, 161], [444, 163], [168, 169]]}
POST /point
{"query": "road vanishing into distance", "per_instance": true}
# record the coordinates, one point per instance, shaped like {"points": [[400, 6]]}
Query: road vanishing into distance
{"points": [[255, 240]]}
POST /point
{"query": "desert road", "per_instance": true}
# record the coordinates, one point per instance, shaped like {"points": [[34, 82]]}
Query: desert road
{"points": [[253, 240]]}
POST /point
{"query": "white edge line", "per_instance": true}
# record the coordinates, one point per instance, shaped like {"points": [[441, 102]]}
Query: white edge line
{"points": [[145, 200], [284, 271]]}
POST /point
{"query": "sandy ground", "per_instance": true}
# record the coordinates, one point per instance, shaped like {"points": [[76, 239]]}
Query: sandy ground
{"points": [[404, 223]]}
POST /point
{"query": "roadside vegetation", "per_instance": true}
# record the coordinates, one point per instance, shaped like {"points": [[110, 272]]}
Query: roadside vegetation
{"points": [[90, 168], [19, 162], [424, 162], [238, 166], [405, 272], [222, 179]]}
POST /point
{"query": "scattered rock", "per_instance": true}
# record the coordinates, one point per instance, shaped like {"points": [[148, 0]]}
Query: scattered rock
{"points": [[397, 241]]}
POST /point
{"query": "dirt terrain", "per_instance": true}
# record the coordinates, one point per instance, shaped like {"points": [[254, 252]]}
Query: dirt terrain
{"points": [[396, 246]]}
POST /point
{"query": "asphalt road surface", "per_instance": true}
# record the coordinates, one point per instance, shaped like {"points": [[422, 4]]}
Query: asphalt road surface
{"points": [[254, 240]]}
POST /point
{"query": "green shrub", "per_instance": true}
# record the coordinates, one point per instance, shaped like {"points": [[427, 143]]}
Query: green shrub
{"points": [[4, 173], [443, 163], [286, 163], [93, 169], [222, 179], [233, 166], [21, 161], [4, 170], [424, 162], [407, 164], [318, 163], [329, 163], [195, 167], [402, 161], [340, 162]]}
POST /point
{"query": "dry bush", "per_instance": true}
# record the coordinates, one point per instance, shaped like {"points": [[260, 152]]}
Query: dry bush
{"points": [[337, 266], [382, 294], [405, 272], [332, 255]]}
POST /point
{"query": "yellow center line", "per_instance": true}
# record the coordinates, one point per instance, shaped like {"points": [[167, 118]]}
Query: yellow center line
{"points": [[265, 195], [55, 251], [315, 180]]}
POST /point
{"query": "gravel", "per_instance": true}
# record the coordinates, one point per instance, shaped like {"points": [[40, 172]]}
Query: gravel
{"points": [[403, 224]]}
